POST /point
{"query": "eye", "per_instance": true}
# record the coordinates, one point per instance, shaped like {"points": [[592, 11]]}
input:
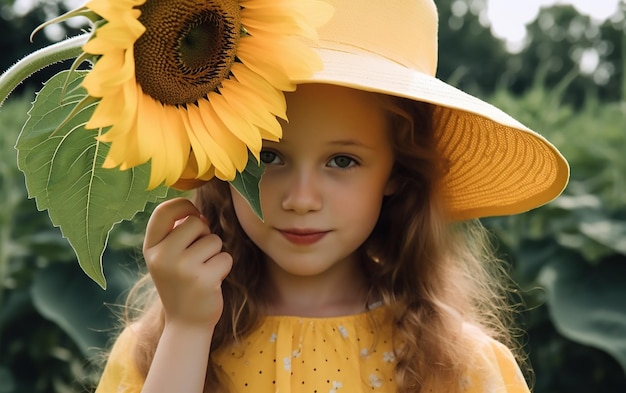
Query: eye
{"points": [[342, 162], [270, 157]]}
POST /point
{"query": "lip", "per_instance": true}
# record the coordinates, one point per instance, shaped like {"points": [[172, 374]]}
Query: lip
{"points": [[303, 237]]}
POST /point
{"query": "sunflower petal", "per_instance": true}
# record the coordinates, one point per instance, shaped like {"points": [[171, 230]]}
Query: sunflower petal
{"points": [[105, 66], [148, 124], [106, 113], [176, 143], [111, 75], [116, 155], [191, 169], [224, 138], [97, 46], [252, 52], [190, 177], [250, 106], [128, 114], [301, 61], [241, 128], [201, 129], [307, 60], [203, 146], [285, 16], [119, 34], [111, 10], [267, 19], [274, 98]]}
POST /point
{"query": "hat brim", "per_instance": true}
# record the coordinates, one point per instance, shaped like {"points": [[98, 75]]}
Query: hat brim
{"points": [[496, 165]]}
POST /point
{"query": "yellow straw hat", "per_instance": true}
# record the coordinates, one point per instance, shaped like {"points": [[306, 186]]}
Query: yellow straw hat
{"points": [[497, 166]]}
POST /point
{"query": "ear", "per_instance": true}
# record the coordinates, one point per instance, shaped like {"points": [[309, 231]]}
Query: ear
{"points": [[391, 187]]}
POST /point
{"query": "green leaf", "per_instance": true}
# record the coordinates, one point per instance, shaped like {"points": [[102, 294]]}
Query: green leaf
{"points": [[586, 302], [247, 184], [63, 171], [78, 306], [611, 233], [7, 382]]}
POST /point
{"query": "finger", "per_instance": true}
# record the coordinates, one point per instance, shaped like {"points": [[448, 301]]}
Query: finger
{"points": [[219, 266], [202, 217], [205, 248], [164, 217], [183, 235]]}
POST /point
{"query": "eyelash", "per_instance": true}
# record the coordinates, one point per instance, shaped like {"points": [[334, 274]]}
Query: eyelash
{"points": [[268, 157], [269, 162], [351, 164]]}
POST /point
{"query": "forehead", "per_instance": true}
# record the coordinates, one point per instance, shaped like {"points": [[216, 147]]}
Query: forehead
{"points": [[319, 111]]}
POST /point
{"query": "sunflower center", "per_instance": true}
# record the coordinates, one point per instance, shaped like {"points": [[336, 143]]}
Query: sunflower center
{"points": [[187, 49]]}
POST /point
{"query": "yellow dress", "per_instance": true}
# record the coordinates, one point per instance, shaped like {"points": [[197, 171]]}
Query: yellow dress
{"points": [[330, 355]]}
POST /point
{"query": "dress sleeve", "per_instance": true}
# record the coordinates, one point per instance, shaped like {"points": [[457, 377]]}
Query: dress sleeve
{"points": [[120, 374], [494, 370], [512, 376]]}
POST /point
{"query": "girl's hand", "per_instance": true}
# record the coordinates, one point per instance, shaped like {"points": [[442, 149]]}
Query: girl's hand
{"points": [[186, 263]]}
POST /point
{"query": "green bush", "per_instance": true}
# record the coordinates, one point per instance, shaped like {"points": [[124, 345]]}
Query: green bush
{"points": [[569, 256], [53, 319]]}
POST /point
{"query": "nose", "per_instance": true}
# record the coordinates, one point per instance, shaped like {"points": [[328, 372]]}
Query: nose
{"points": [[303, 192]]}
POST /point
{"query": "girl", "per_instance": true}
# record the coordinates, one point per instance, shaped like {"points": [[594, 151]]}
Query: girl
{"points": [[367, 273]]}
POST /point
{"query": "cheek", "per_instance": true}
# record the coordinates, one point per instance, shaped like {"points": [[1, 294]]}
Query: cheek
{"points": [[360, 206], [361, 220], [367, 203], [245, 215], [238, 202]]}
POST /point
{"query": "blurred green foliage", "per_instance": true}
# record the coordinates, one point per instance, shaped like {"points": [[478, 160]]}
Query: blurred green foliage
{"points": [[54, 321], [475, 61], [568, 257]]}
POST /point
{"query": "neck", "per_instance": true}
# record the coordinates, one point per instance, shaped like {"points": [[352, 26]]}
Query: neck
{"points": [[341, 291]]}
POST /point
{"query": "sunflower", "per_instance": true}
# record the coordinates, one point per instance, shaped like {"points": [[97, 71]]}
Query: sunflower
{"points": [[194, 85]]}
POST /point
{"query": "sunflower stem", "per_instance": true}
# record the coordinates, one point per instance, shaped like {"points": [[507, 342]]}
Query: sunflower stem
{"points": [[66, 49]]}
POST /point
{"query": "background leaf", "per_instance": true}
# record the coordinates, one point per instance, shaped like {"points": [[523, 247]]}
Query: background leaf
{"points": [[63, 170], [587, 302], [78, 306], [611, 233]]}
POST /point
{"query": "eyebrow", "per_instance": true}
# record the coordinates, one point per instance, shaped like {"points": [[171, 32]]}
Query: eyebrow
{"points": [[339, 142], [350, 142]]}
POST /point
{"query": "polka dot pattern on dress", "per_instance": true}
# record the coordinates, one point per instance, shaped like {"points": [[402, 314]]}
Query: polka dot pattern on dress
{"points": [[320, 355], [293, 354], [354, 353]]}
